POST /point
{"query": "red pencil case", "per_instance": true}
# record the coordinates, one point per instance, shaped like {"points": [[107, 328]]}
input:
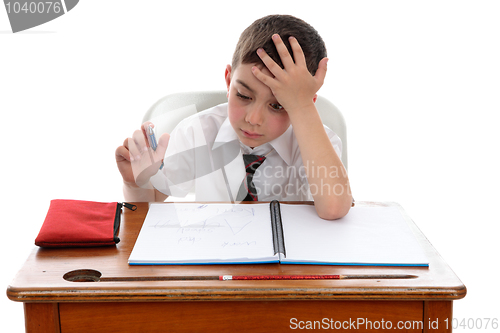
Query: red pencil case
{"points": [[77, 223]]}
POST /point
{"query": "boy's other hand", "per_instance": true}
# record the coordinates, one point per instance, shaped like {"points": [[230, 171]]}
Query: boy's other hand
{"points": [[294, 87], [135, 159]]}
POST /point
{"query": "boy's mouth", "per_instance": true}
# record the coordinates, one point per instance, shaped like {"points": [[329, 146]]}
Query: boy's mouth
{"points": [[251, 135]]}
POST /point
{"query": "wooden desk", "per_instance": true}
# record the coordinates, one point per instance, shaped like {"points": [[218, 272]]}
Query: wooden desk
{"points": [[53, 304]]}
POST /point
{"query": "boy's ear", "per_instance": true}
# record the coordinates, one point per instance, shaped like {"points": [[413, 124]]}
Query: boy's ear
{"points": [[227, 76]]}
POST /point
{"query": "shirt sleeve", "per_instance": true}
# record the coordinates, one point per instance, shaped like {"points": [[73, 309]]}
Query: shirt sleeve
{"points": [[176, 177], [337, 146], [335, 140]]}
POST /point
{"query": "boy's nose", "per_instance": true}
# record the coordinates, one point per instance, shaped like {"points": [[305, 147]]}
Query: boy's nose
{"points": [[254, 115]]}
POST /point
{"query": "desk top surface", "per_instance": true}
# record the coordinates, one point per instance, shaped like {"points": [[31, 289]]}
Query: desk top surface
{"points": [[41, 279]]}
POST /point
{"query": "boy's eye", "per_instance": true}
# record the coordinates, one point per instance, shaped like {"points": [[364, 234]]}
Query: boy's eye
{"points": [[276, 107], [242, 96]]}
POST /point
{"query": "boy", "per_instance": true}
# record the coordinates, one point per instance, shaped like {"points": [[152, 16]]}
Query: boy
{"points": [[267, 142]]}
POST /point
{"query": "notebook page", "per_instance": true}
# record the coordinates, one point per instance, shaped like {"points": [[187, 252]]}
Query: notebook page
{"points": [[189, 233], [365, 236]]}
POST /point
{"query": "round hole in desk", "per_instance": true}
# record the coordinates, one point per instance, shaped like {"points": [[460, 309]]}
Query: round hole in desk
{"points": [[83, 275]]}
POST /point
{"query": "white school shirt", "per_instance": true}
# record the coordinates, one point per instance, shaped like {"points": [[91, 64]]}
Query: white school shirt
{"points": [[190, 154]]}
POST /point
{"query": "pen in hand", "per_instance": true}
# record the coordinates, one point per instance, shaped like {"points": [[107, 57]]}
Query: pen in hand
{"points": [[152, 140]]}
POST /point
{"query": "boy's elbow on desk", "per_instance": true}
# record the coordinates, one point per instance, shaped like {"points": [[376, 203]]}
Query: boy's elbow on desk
{"points": [[333, 210]]}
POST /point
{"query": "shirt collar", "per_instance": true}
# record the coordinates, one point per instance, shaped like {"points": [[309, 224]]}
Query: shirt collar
{"points": [[281, 144], [284, 145], [226, 134]]}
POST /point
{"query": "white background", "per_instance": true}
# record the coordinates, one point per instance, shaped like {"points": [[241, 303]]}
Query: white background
{"points": [[417, 81]]}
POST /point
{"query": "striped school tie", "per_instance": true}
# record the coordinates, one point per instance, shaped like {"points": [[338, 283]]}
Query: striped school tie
{"points": [[247, 191]]}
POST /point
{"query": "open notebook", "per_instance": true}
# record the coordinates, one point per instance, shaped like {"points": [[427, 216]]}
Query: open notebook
{"points": [[190, 233]]}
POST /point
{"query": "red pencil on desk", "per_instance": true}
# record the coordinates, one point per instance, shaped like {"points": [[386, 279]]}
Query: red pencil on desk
{"points": [[313, 277]]}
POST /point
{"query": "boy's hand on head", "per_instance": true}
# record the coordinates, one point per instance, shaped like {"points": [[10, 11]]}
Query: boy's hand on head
{"points": [[137, 161], [294, 87]]}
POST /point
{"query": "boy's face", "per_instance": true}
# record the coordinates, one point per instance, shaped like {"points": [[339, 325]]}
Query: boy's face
{"points": [[254, 112]]}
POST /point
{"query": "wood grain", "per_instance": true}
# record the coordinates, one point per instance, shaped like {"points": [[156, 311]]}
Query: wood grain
{"points": [[41, 278], [233, 316], [435, 315], [42, 317], [140, 298]]}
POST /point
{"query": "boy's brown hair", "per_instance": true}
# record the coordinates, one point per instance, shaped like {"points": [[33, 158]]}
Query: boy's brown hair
{"points": [[258, 35]]}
